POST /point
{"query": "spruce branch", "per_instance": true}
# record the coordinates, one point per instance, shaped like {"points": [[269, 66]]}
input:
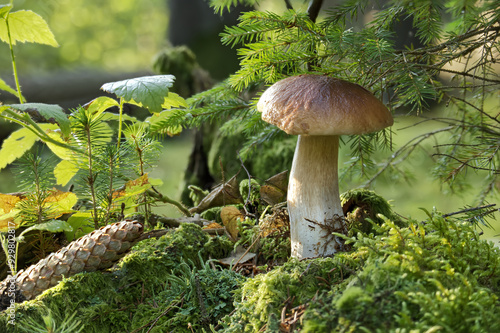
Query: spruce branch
{"points": [[273, 46]]}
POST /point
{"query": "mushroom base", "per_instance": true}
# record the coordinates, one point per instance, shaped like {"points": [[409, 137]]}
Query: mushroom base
{"points": [[313, 198]]}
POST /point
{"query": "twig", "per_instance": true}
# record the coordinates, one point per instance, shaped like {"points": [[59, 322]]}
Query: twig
{"points": [[470, 210], [466, 163], [244, 254], [249, 182], [163, 198]]}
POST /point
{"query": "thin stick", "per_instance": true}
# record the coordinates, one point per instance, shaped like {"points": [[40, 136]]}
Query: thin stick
{"points": [[470, 210], [244, 254]]}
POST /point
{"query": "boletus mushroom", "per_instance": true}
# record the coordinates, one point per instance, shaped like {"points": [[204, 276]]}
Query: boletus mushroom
{"points": [[319, 109]]}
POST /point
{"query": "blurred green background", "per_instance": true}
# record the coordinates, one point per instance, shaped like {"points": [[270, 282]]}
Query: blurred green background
{"points": [[120, 38], [113, 35]]}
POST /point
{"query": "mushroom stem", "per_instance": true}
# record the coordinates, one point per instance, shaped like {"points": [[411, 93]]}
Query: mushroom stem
{"points": [[313, 197]]}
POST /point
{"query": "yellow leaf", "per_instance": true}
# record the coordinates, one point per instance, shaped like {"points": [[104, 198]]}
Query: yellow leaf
{"points": [[64, 171], [7, 204], [8, 201], [213, 225], [61, 152], [26, 26], [133, 187], [61, 202], [8, 222]]}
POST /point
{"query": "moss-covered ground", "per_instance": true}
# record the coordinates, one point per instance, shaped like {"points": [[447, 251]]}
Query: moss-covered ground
{"points": [[435, 275]]}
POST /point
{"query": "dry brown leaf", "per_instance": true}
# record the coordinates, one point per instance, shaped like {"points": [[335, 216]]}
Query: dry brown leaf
{"points": [[213, 225], [275, 188], [230, 216], [224, 194]]}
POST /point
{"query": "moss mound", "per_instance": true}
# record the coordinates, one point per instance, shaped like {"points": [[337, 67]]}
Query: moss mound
{"points": [[362, 208], [162, 284], [433, 276], [262, 300]]}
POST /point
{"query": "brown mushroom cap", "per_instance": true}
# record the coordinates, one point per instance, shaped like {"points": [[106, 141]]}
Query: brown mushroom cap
{"points": [[322, 105]]}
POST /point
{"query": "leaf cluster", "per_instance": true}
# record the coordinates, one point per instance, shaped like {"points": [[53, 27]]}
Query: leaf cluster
{"points": [[108, 173]]}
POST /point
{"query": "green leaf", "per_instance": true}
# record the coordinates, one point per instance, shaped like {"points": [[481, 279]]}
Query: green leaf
{"points": [[59, 202], [4, 9], [81, 224], [150, 91], [18, 143], [64, 171], [47, 111], [173, 101], [5, 87], [61, 152], [116, 117], [101, 104], [156, 181], [51, 226], [26, 26]]}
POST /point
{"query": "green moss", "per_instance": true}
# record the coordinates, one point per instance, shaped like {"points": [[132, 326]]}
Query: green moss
{"points": [[362, 208], [141, 287], [276, 248], [199, 297], [432, 276], [219, 247], [253, 187], [296, 282]]}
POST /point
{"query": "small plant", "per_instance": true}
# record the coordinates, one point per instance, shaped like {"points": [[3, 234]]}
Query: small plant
{"points": [[104, 157], [51, 324]]}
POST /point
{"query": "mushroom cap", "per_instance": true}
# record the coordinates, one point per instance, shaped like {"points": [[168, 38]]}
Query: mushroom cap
{"points": [[321, 105]]}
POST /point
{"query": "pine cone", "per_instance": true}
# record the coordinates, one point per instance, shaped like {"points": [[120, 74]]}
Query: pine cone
{"points": [[95, 251]]}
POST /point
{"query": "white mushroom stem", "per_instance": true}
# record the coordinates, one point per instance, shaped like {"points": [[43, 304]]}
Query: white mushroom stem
{"points": [[313, 197]]}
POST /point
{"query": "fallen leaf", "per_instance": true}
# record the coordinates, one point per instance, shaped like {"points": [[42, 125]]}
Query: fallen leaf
{"points": [[230, 216], [236, 255], [224, 194], [275, 188], [213, 225]]}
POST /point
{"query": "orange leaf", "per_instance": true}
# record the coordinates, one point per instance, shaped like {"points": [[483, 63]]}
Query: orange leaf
{"points": [[7, 204]]}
